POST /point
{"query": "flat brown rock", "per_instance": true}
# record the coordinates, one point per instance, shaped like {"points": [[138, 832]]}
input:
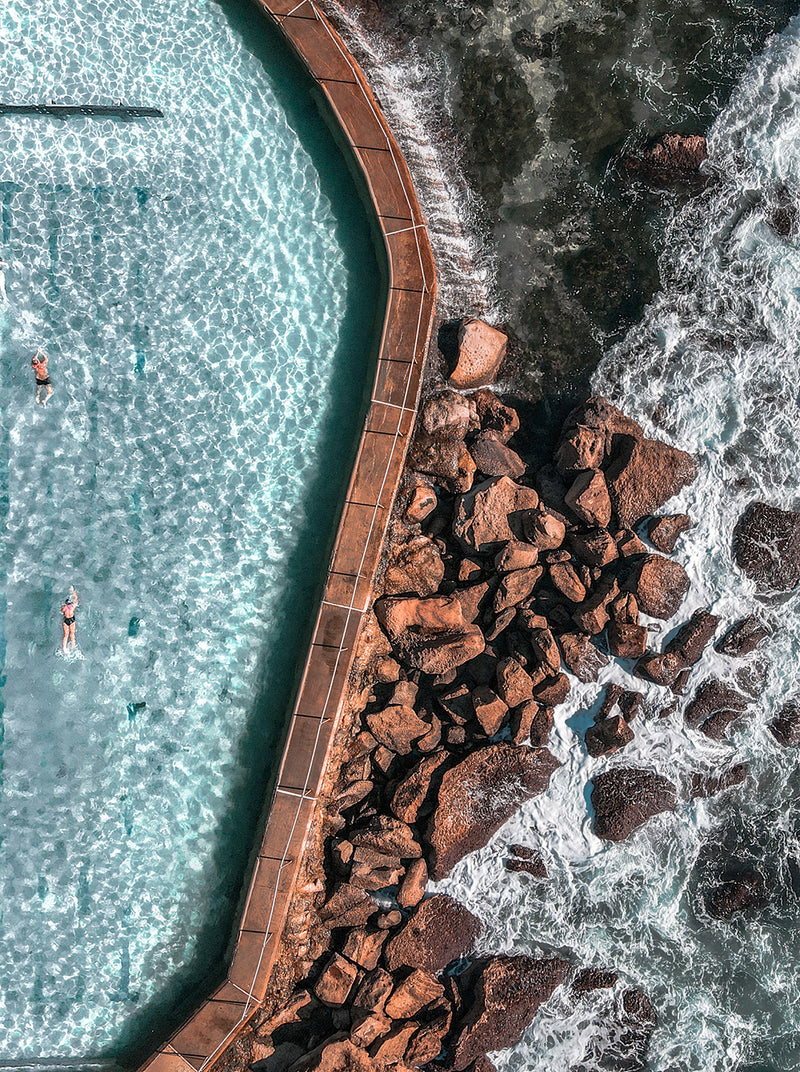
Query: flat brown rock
{"points": [[430, 634], [543, 530], [348, 906], [644, 475], [492, 513], [416, 567], [505, 995], [363, 947], [480, 794], [336, 981], [588, 979], [608, 736], [387, 836], [481, 349], [626, 797], [599, 415], [766, 547], [581, 448], [626, 641], [440, 931], [412, 888], [516, 555], [419, 989], [708, 785], [339, 1056], [397, 727]]}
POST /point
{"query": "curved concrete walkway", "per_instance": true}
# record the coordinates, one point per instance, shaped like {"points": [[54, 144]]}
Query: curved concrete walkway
{"points": [[379, 465]]}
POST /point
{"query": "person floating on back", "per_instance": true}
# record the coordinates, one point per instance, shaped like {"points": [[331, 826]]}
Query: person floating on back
{"points": [[68, 611], [39, 366]]}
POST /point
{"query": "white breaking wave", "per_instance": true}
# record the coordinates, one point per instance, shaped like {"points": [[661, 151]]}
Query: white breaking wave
{"points": [[715, 366], [411, 94]]}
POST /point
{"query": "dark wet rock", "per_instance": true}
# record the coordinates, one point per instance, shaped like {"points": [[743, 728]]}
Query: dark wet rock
{"points": [[659, 584], [439, 931], [480, 794], [534, 46], [493, 458], [626, 797], [766, 547], [374, 870], [494, 415], [426, 1045], [492, 513], [552, 691], [339, 1055], [481, 349], [786, 727], [545, 651], [608, 736], [662, 668], [743, 637], [663, 532], [527, 860], [590, 979], [784, 217], [373, 991], [594, 548], [738, 893], [504, 994], [682, 652], [531, 723], [703, 786], [715, 705], [629, 544], [592, 615], [672, 160], [645, 474], [581, 656], [589, 500]]}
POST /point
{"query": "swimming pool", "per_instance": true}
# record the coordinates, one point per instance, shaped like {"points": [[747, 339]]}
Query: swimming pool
{"points": [[207, 290]]}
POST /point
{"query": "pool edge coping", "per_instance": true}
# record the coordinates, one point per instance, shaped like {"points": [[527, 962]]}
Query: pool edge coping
{"points": [[405, 337]]}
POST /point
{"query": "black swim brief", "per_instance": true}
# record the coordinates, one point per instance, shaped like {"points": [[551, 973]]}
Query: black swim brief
{"points": [[69, 621], [43, 383]]}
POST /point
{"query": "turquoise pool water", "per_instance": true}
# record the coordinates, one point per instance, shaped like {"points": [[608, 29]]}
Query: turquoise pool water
{"points": [[206, 288]]}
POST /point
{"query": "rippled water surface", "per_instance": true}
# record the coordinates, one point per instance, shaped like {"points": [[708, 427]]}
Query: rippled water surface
{"points": [[190, 279]]}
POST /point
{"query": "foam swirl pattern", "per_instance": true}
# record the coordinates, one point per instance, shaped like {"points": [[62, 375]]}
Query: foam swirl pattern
{"points": [[187, 280], [717, 359]]}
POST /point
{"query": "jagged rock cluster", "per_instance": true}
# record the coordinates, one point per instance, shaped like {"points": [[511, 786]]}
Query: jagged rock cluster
{"points": [[504, 581]]}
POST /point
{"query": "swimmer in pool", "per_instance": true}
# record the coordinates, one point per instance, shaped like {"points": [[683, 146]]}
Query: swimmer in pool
{"points": [[68, 625], [39, 366]]}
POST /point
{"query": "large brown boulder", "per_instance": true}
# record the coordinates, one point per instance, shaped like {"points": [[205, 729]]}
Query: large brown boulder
{"points": [[385, 835], [439, 931], [447, 461], [492, 513], [743, 637], [766, 547], [644, 474], [659, 584], [608, 736], [504, 994], [598, 415], [785, 727], [626, 797], [671, 160], [683, 651], [340, 1055], [664, 531], [411, 792], [481, 349], [419, 989], [416, 567], [480, 794], [588, 498], [715, 705], [494, 415], [493, 458], [430, 634], [397, 727], [446, 415]]}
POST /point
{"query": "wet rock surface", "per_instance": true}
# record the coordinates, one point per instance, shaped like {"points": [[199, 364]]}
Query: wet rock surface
{"points": [[766, 547], [626, 797]]}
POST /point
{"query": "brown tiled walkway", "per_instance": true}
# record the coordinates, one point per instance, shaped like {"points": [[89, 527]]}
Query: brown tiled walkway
{"points": [[406, 334]]}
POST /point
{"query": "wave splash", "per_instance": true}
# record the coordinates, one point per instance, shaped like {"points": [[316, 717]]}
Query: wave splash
{"points": [[715, 365], [411, 93]]}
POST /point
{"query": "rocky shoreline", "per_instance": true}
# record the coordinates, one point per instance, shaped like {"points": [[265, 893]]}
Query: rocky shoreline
{"points": [[504, 581]]}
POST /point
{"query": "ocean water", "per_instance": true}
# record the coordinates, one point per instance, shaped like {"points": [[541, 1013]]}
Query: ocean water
{"points": [[193, 280], [714, 365]]}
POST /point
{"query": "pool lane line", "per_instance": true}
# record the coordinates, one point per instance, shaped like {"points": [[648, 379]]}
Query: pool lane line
{"points": [[426, 298]]}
